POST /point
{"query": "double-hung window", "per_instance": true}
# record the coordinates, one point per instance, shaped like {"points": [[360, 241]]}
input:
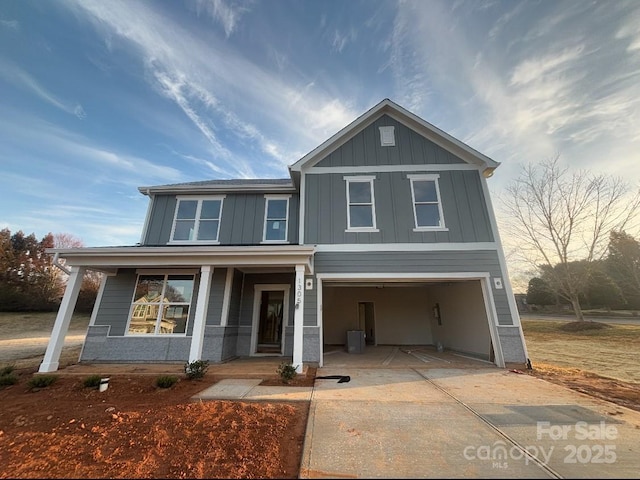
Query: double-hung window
{"points": [[276, 215], [161, 304], [197, 219], [427, 207], [361, 209]]}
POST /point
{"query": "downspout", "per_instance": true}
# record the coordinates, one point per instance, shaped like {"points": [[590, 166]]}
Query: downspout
{"points": [[59, 265]]}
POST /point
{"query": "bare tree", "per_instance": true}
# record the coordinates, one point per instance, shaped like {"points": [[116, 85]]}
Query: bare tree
{"points": [[90, 281], [66, 240], [560, 217]]}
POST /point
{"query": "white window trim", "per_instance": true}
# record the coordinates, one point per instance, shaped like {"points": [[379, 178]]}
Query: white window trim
{"points": [[156, 334], [197, 220], [264, 225], [361, 179], [434, 177]]}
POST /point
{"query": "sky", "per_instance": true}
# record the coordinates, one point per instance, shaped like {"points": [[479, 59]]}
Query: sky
{"points": [[98, 98]]}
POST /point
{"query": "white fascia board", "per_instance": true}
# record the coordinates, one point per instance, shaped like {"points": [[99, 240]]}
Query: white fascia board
{"points": [[502, 260], [150, 257], [248, 250], [147, 219], [405, 247], [431, 167], [402, 276], [301, 213], [214, 189]]}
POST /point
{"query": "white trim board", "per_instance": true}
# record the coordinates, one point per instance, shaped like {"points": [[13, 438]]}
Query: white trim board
{"points": [[431, 167], [404, 276], [405, 247]]}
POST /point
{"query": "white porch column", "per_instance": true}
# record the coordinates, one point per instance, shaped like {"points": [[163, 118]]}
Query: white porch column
{"points": [[298, 318], [51, 358], [197, 337]]}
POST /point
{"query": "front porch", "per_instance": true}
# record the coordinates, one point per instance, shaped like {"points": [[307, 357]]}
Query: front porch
{"points": [[216, 294]]}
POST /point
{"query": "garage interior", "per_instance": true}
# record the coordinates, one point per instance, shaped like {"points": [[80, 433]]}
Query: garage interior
{"points": [[447, 314]]}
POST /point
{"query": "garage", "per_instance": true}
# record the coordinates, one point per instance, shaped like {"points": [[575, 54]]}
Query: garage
{"points": [[452, 312]]}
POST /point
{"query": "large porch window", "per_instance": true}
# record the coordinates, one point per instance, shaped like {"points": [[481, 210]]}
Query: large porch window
{"points": [[161, 304]]}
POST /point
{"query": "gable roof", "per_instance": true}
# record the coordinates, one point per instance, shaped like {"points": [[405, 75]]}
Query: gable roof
{"points": [[386, 106]]}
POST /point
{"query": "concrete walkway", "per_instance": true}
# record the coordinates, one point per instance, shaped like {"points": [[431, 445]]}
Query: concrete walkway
{"points": [[250, 389]]}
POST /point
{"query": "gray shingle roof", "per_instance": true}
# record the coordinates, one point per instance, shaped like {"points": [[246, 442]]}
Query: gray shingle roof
{"points": [[233, 181], [235, 185]]}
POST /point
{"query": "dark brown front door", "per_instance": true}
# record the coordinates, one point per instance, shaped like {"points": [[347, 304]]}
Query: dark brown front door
{"points": [[270, 324]]}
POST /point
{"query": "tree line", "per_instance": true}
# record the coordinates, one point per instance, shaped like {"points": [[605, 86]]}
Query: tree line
{"points": [[29, 281], [612, 283]]}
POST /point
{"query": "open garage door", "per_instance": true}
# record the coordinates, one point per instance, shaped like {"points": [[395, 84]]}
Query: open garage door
{"points": [[454, 313]]}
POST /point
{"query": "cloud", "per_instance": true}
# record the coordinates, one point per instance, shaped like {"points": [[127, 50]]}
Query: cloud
{"points": [[227, 14], [185, 67], [532, 69], [340, 40], [124, 168], [210, 165], [79, 112], [571, 85], [630, 30], [11, 24], [21, 79]]}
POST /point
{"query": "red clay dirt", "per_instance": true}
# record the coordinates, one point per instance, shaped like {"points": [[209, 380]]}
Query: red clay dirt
{"points": [[137, 430]]}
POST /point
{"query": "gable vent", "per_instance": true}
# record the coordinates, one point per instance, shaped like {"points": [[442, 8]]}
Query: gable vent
{"points": [[387, 136]]}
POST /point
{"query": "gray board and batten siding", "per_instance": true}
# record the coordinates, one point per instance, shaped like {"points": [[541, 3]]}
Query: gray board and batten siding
{"points": [[439, 262], [411, 148], [242, 220], [463, 204]]}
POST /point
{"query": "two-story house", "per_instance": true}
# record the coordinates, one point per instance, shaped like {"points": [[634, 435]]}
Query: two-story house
{"points": [[386, 228]]}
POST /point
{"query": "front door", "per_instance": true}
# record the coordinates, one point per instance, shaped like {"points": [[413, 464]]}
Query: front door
{"points": [[270, 321], [366, 322]]}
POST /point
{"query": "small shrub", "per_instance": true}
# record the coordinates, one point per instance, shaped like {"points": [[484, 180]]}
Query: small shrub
{"points": [[287, 372], [8, 379], [92, 381], [41, 381], [196, 369], [7, 370], [166, 381]]}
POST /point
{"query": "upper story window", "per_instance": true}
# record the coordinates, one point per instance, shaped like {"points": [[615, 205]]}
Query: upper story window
{"points": [[276, 218], [197, 219], [427, 207], [361, 209], [161, 304]]}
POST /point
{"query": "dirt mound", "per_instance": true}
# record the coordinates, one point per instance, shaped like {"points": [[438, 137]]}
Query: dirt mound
{"points": [[581, 326]]}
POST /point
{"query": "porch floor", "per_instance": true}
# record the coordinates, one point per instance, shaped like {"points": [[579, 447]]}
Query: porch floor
{"points": [[335, 356]]}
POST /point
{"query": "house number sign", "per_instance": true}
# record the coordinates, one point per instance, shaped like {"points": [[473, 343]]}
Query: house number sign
{"points": [[298, 292]]}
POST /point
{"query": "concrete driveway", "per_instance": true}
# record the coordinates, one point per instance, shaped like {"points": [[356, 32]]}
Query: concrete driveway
{"points": [[478, 422]]}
